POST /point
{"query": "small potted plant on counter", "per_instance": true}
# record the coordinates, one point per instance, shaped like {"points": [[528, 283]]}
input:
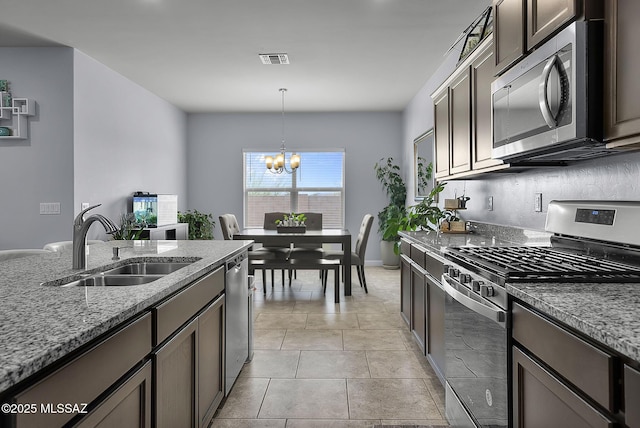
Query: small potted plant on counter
{"points": [[201, 225]]}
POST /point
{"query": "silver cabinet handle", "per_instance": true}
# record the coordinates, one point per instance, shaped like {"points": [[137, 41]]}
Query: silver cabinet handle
{"points": [[543, 101], [496, 315]]}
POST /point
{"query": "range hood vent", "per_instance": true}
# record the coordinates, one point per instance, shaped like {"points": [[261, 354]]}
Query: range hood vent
{"points": [[274, 58]]}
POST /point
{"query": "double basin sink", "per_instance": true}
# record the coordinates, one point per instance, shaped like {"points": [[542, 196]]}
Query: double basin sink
{"points": [[133, 273]]}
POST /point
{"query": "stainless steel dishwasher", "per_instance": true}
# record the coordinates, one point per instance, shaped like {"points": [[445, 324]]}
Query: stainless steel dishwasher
{"points": [[237, 320]]}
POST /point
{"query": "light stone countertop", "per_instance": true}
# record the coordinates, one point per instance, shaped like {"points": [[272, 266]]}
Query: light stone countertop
{"points": [[608, 313], [41, 323]]}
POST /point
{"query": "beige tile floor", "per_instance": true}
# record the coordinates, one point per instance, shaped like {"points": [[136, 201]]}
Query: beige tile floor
{"points": [[321, 364]]}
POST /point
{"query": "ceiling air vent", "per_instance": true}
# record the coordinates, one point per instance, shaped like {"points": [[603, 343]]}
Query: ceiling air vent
{"points": [[274, 58]]}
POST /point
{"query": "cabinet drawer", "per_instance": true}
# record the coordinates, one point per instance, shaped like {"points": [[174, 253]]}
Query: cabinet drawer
{"points": [[587, 367], [434, 265], [631, 397], [176, 311], [405, 247], [86, 377], [417, 255]]}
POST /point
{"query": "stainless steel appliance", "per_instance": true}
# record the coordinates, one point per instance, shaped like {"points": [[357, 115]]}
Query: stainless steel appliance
{"points": [[548, 107], [237, 321], [592, 241]]}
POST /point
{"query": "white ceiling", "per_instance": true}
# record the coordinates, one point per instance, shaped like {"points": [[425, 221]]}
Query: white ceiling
{"points": [[202, 55]]}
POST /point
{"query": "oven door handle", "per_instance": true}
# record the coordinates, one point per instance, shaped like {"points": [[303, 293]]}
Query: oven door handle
{"points": [[496, 315]]}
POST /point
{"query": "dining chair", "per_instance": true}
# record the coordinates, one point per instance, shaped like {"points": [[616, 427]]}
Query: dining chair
{"points": [[270, 224], [357, 256], [229, 226], [313, 222]]}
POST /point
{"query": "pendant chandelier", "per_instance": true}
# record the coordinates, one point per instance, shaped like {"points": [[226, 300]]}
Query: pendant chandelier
{"points": [[277, 164]]}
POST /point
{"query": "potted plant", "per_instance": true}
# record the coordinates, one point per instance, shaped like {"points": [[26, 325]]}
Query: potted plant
{"points": [[388, 174], [129, 229], [201, 225]]}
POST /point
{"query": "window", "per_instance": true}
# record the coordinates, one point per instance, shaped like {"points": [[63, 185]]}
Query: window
{"points": [[317, 186]]}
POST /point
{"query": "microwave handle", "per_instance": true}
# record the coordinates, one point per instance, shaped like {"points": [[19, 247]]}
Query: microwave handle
{"points": [[547, 115]]}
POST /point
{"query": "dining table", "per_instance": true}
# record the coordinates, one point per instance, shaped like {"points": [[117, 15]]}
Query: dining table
{"points": [[275, 238]]}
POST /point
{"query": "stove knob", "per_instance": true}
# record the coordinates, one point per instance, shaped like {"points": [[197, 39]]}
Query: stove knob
{"points": [[465, 278], [487, 291], [475, 285], [453, 272]]}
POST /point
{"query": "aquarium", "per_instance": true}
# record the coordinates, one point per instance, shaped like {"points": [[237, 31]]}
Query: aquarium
{"points": [[145, 209]]}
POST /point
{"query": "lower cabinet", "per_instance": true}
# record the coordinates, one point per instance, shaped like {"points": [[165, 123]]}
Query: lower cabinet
{"points": [[419, 307], [631, 397], [128, 406], [405, 289], [189, 366], [435, 345], [542, 400]]}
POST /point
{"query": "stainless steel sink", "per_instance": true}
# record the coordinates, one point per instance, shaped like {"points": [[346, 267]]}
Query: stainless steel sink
{"points": [[147, 268], [112, 280]]}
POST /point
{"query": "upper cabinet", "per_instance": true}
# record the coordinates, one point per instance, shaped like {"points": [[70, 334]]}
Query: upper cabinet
{"points": [[522, 25], [622, 67], [508, 32], [462, 109]]}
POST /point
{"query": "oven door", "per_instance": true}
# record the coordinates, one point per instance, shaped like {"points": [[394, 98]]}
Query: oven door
{"points": [[476, 359]]}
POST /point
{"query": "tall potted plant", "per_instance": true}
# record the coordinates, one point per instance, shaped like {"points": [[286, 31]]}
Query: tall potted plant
{"points": [[388, 174]]}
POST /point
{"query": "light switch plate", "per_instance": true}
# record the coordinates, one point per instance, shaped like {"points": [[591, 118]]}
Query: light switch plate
{"points": [[84, 206], [49, 208], [490, 203], [538, 203]]}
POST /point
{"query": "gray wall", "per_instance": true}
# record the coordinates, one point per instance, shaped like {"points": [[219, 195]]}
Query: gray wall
{"points": [[126, 139], [96, 138], [39, 169], [215, 144]]}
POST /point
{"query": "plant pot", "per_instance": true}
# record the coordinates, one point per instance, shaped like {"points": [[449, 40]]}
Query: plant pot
{"points": [[390, 260]]}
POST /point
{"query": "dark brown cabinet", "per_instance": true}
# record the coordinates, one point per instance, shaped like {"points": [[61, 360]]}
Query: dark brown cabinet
{"points": [[419, 307], [405, 284], [128, 406], [462, 109], [622, 67], [544, 17], [188, 369], [435, 343], [541, 400], [482, 74], [441, 132], [508, 32], [522, 25], [460, 122], [631, 397], [210, 360]]}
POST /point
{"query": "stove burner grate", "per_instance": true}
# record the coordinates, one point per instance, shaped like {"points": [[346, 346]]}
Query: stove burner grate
{"points": [[543, 264]]}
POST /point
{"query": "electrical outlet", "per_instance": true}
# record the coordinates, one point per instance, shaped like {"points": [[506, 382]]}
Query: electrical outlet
{"points": [[538, 203], [490, 203]]}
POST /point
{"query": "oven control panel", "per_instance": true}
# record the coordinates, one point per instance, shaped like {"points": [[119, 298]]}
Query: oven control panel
{"points": [[595, 216], [476, 285]]}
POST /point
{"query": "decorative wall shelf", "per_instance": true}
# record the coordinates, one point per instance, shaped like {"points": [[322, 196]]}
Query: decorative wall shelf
{"points": [[16, 118]]}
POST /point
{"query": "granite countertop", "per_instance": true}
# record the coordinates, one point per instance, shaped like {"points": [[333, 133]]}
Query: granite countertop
{"points": [[605, 312], [41, 323]]}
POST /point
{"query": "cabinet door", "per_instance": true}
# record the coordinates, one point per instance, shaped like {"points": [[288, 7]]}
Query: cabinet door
{"points": [[210, 360], [508, 32], [545, 17], [436, 299], [405, 289], [460, 122], [176, 380], [631, 397], [541, 400], [482, 71], [128, 406], [622, 68], [441, 132], [418, 307]]}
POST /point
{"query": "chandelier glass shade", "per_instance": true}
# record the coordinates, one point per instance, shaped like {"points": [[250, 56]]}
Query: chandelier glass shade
{"points": [[277, 164]]}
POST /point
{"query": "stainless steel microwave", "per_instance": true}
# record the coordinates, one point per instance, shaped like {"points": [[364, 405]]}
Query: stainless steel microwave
{"points": [[548, 107]]}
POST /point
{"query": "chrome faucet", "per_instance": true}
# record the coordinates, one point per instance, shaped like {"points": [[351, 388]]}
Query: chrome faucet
{"points": [[80, 230]]}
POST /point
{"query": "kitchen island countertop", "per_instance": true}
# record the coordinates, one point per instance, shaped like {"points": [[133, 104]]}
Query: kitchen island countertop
{"points": [[39, 323], [605, 312]]}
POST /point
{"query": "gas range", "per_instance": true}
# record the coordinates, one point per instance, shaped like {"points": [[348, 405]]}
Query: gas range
{"points": [[592, 242]]}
